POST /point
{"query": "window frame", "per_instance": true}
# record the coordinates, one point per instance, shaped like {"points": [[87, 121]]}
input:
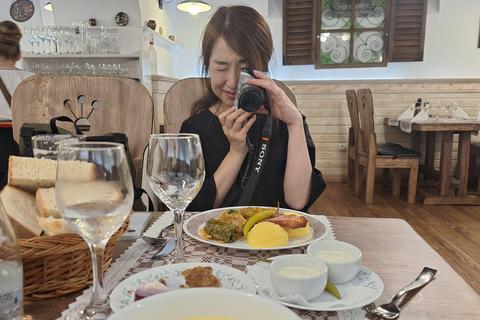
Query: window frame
{"points": [[352, 31], [407, 19]]}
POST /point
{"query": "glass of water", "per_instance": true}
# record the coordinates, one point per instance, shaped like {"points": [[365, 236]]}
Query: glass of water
{"points": [[94, 192]]}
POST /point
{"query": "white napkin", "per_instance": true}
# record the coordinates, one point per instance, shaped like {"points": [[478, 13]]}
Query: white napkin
{"points": [[478, 112], [422, 116], [460, 114], [406, 114]]}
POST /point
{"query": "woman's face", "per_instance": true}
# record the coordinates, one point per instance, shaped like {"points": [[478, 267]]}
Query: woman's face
{"points": [[224, 68]]}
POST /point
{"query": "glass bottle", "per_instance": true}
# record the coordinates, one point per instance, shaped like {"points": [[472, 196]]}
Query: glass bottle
{"points": [[11, 271], [153, 55]]}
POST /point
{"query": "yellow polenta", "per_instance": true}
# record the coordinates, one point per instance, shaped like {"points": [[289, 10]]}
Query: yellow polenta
{"points": [[299, 232], [267, 235]]}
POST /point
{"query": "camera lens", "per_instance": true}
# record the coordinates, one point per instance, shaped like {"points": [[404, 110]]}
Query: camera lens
{"points": [[251, 99]]}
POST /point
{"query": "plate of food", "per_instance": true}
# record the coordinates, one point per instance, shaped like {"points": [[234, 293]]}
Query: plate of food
{"points": [[267, 228], [179, 276], [364, 288]]}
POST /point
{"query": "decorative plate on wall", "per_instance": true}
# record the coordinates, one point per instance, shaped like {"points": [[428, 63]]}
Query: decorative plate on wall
{"points": [[22, 10], [121, 19]]}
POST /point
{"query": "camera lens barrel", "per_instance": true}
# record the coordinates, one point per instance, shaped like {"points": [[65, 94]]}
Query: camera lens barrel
{"points": [[251, 98]]}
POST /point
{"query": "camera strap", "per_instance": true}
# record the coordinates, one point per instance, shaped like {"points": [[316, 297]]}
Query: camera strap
{"points": [[259, 163]]}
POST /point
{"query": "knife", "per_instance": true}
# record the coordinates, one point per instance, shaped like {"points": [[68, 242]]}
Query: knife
{"points": [[165, 250]]}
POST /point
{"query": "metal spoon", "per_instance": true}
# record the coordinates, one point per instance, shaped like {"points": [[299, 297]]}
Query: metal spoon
{"points": [[391, 310], [158, 241]]}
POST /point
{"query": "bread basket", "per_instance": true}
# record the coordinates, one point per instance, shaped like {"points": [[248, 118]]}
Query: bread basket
{"points": [[58, 265]]}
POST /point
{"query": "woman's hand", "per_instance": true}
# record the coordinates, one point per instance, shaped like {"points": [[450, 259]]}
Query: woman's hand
{"points": [[281, 106], [235, 125]]}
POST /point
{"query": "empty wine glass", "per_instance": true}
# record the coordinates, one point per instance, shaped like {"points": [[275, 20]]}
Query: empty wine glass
{"points": [[94, 193], [27, 32], [455, 108], [175, 172], [432, 110]]}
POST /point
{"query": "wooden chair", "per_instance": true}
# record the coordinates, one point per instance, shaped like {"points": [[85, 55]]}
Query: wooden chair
{"points": [[390, 156], [474, 155], [352, 136], [180, 97], [108, 104]]}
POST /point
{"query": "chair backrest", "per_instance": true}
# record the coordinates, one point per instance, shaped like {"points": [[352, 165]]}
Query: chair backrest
{"points": [[353, 111], [109, 104], [365, 110], [180, 97]]}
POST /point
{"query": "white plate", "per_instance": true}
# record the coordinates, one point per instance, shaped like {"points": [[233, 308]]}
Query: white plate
{"points": [[123, 294], [205, 302], [365, 288], [194, 224]]}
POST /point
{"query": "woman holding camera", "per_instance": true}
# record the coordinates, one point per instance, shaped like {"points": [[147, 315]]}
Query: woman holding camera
{"points": [[233, 139]]}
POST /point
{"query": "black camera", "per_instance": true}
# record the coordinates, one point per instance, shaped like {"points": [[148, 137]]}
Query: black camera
{"points": [[249, 97]]}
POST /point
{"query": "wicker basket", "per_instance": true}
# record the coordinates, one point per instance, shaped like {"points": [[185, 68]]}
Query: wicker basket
{"points": [[58, 265]]}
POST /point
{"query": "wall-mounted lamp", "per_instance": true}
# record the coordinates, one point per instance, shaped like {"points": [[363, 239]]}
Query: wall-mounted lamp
{"points": [[194, 7], [48, 6]]}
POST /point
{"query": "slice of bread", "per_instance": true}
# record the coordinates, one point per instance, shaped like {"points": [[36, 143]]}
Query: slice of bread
{"points": [[53, 227], [22, 210], [31, 173], [47, 203]]}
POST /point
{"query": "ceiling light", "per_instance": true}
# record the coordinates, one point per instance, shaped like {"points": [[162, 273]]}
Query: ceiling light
{"points": [[48, 6], [194, 7]]}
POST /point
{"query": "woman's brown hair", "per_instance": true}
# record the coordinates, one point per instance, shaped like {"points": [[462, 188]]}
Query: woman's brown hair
{"points": [[246, 32], [10, 36]]}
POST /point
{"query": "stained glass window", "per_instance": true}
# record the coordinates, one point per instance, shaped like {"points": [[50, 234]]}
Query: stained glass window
{"points": [[352, 33]]}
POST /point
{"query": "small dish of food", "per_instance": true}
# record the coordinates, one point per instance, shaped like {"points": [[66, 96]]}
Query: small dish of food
{"points": [[298, 274], [342, 258], [181, 277]]}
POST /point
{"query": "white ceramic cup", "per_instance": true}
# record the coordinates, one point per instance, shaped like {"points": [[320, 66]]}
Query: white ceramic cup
{"points": [[45, 146], [338, 271], [310, 287]]}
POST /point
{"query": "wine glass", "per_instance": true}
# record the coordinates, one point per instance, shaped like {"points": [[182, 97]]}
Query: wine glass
{"points": [[94, 192], [27, 32], [175, 172]]}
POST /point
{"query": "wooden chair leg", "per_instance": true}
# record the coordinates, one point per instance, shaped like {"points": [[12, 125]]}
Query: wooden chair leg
{"points": [[412, 181], [386, 177], [351, 172], [472, 167], [370, 183], [358, 180], [397, 181]]}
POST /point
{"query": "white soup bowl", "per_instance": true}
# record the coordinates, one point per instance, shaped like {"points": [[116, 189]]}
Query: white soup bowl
{"points": [[310, 286], [340, 271]]}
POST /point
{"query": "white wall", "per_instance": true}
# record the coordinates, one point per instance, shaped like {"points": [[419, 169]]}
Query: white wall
{"points": [[451, 41], [452, 33]]}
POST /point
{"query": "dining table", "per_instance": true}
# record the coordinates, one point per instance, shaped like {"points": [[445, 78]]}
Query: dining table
{"points": [[391, 249], [458, 181]]}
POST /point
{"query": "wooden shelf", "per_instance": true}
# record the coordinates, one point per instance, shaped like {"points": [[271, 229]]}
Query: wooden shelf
{"points": [[161, 40]]}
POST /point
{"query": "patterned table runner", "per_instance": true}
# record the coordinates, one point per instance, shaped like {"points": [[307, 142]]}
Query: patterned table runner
{"points": [[138, 258]]}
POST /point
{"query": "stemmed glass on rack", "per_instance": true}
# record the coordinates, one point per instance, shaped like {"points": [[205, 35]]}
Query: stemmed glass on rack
{"points": [[175, 171], [94, 192]]}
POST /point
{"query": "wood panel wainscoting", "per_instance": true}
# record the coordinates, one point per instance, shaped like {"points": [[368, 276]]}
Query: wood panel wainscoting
{"points": [[325, 106]]}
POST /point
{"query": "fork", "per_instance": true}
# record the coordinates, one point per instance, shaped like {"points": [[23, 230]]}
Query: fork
{"points": [[159, 240], [391, 310]]}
